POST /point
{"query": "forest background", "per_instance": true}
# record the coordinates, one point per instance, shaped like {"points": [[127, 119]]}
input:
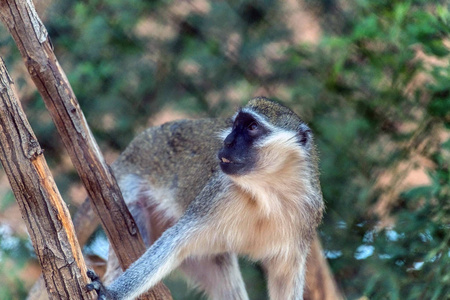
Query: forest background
{"points": [[372, 79]]}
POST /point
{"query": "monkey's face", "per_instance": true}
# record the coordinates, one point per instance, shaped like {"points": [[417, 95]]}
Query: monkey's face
{"points": [[238, 155]]}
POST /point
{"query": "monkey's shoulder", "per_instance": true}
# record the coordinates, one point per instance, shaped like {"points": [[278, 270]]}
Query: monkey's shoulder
{"points": [[181, 138], [179, 153]]}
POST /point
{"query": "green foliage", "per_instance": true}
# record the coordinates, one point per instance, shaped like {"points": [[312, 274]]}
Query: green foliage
{"points": [[375, 89], [369, 71], [7, 201], [411, 259], [14, 253]]}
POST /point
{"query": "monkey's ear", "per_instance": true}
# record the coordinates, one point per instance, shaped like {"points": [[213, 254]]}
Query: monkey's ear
{"points": [[305, 136]]}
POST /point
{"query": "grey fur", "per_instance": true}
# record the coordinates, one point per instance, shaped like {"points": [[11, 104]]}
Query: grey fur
{"points": [[171, 180]]}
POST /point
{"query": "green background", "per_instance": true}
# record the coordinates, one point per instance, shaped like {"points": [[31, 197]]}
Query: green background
{"points": [[371, 78]]}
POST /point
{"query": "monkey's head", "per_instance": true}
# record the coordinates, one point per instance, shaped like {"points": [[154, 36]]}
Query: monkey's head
{"points": [[264, 137]]}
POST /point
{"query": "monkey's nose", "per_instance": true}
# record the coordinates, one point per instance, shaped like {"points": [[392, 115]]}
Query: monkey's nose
{"points": [[229, 140]]}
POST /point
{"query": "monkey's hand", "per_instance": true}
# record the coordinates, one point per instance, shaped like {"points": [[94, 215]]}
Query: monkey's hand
{"points": [[98, 286]]}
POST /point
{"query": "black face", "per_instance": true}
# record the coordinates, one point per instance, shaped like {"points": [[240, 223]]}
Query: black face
{"points": [[238, 155]]}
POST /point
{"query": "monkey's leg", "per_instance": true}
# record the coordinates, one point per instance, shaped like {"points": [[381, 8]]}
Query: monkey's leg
{"points": [[286, 277], [219, 276], [135, 191]]}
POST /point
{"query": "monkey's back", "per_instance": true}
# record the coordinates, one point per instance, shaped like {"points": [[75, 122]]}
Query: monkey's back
{"points": [[176, 158]]}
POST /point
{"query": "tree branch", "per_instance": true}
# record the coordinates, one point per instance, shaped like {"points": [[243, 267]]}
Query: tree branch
{"points": [[31, 38], [46, 215]]}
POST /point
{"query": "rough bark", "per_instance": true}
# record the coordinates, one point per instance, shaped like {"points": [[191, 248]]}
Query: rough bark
{"points": [[32, 40], [85, 225], [43, 210]]}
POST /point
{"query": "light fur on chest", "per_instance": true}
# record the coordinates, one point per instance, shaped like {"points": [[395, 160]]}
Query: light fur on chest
{"points": [[247, 229]]}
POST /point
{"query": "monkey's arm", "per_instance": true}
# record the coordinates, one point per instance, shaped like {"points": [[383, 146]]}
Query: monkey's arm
{"points": [[159, 260], [183, 239]]}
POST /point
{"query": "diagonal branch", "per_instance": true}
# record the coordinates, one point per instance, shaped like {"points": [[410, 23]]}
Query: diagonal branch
{"points": [[45, 213], [31, 38]]}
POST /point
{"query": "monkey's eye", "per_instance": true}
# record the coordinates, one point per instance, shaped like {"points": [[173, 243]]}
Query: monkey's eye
{"points": [[253, 126]]}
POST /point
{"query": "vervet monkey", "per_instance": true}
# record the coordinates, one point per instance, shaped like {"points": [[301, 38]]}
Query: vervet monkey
{"points": [[207, 190]]}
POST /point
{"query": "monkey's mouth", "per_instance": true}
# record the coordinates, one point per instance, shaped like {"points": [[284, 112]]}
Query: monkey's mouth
{"points": [[231, 163], [232, 167], [225, 161]]}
